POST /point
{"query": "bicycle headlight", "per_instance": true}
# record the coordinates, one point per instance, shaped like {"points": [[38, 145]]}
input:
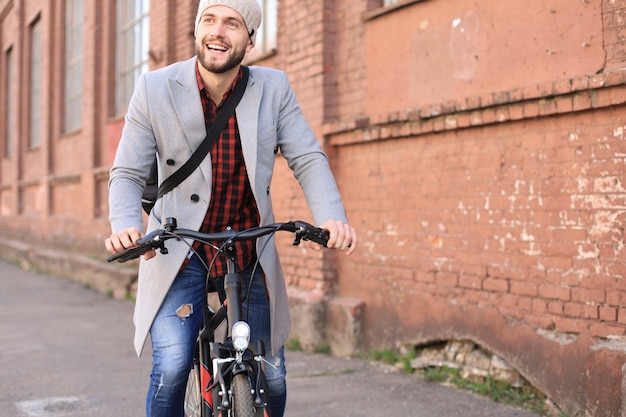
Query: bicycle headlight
{"points": [[241, 335]]}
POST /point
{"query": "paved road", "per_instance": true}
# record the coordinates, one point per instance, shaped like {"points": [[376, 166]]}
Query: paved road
{"points": [[66, 350]]}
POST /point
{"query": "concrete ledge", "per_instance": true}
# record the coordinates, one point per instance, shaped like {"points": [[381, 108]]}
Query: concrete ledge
{"points": [[344, 321], [109, 279], [319, 322], [308, 325]]}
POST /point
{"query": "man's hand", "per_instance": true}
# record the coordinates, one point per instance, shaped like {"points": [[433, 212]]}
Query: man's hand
{"points": [[126, 239], [342, 236]]}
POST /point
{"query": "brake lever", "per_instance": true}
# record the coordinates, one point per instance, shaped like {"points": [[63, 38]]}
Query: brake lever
{"points": [[311, 233], [151, 241]]}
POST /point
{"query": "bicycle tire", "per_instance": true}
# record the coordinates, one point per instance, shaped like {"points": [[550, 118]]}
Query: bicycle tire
{"points": [[243, 401], [193, 395]]}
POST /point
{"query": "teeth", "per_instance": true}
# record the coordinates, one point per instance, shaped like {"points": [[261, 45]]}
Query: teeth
{"points": [[217, 47]]}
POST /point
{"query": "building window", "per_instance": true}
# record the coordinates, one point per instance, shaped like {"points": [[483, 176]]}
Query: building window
{"points": [[266, 36], [133, 41], [390, 2], [73, 64], [9, 107], [34, 138]]}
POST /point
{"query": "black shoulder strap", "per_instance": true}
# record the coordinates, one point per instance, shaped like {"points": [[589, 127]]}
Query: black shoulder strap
{"points": [[222, 118]]}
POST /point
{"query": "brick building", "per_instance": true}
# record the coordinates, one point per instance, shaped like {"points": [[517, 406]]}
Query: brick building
{"points": [[480, 147]]}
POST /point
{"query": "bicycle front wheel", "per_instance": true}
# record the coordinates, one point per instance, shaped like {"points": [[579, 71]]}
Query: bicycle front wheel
{"points": [[193, 396], [243, 401]]}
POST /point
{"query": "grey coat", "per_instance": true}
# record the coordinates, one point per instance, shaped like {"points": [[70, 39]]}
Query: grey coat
{"points": [[165, 116]]}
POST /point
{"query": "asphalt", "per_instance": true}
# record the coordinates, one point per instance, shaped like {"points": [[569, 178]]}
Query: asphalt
{"points": [[66, 350]]}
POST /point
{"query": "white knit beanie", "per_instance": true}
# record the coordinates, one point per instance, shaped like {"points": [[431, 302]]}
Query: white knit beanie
{"points": [[250, 10]]}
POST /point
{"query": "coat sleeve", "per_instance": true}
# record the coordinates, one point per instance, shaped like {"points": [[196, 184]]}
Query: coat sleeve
{"points": [[133, 160]]}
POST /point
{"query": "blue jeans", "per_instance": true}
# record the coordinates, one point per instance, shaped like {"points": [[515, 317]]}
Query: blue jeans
{"points": [[174, 332]]}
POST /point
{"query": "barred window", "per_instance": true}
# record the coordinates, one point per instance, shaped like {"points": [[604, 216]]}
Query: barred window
{"points": [[73, 65], [9, 107], [34, 137], [133, 42], [267, 33]]}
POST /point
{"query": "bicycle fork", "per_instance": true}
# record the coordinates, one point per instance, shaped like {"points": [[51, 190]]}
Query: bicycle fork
{"points": [[240, 358]]}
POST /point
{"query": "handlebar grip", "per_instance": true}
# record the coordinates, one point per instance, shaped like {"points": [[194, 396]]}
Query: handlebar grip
{"points": [[319, 236], [144, 244], [130, 253]]}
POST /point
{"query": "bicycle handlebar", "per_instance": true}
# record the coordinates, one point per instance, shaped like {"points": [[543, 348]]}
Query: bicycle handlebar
{"points": [[156, 239]]}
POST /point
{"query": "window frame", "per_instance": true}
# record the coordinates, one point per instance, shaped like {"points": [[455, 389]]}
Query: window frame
{"points": [[9, 113], [35, 83], [267, 35], [132, 37], [73, 91]]}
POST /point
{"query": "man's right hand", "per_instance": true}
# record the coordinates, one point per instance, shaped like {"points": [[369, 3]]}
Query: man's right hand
{"points": [[125, 239]]}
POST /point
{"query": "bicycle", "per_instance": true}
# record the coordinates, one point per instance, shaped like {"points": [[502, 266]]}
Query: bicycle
{"points": [[227, 377]]}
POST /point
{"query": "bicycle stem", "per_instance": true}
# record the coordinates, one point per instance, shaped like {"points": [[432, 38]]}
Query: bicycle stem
{"points": [[233, 284]]}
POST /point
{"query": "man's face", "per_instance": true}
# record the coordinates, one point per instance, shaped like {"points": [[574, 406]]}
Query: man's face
{"points": [[222, 39]]}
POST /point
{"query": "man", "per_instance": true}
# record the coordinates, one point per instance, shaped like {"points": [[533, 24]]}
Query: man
{"points": [[170, 113]]}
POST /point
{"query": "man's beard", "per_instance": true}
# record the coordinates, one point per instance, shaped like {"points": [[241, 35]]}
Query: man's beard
{"points": [[217, 68]]}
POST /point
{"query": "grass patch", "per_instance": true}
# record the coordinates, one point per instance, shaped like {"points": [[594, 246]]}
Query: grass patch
{"points": [[525, 396], [386, 356], [390, 357], [293, 345], [324, 349], [502, 392]]}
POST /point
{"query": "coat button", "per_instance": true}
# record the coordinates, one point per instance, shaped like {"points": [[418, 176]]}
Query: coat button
{"points": [[195, 198], [268, 190], [170, 162]]}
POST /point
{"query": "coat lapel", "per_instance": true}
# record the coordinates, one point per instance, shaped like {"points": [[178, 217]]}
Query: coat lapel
{"points": [[185, 97]]}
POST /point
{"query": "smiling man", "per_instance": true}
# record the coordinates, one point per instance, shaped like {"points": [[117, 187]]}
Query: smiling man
{"points": [[222, 39], [169, 115]]}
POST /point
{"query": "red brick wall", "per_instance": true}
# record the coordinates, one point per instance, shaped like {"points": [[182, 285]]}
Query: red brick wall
{"points": [[490, 203]]}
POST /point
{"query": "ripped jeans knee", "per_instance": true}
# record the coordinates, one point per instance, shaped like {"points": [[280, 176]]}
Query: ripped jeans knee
{"points": [[173, 335]]}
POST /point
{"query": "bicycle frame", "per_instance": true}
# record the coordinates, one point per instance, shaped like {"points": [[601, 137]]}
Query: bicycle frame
{"points": [[219, 362]]}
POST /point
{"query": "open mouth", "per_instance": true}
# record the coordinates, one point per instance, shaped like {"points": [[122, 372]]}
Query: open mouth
{"points": [[216, 47]]}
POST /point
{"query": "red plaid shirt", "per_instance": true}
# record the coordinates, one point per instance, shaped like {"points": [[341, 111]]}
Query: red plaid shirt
{"points": [[232, 202]]}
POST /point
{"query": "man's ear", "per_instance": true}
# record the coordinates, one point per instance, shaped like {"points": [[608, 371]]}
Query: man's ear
{"points": [[249, 46]]}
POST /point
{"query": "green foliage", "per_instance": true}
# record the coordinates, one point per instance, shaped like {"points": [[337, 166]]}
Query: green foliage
{"points": [[325, 349], [440, 374], [385, 356], [293, 345], [524, 396], [499, 391]]}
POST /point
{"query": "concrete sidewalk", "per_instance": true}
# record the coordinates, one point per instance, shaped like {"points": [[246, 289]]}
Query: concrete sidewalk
{"points": [[320, 385], [66, 350]]}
